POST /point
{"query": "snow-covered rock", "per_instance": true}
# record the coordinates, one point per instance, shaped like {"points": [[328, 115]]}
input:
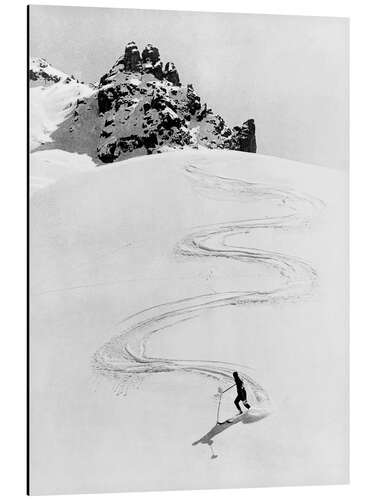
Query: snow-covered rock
{"points": [[53, 96], [42, 73], [140, 107]]}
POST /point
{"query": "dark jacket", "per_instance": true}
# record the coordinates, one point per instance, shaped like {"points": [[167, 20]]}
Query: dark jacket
{"points": [[240, 388]]}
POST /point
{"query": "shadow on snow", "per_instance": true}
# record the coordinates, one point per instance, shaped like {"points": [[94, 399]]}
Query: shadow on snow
{"points": [[246, 418]]}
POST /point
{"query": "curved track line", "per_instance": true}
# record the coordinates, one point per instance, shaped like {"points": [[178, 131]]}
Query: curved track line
{"points": [[124, 358]]}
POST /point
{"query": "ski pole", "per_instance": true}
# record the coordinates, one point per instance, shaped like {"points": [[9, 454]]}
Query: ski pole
{"points": [[218, 409], [228, 388], [218, 406]]}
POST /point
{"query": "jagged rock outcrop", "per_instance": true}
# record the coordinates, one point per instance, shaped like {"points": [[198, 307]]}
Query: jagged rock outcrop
{"points": [[139, 107], [170, 74], [151, 61], [193, 99], [42, 73], [150, 54], [244, 137], [132, 58]]}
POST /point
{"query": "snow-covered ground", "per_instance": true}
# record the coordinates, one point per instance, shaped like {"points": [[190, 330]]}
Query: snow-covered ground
{"points": [[152, 279], [47, 167]]}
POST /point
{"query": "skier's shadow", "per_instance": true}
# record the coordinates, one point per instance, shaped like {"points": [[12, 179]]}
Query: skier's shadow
{"points": [[248, 418]]}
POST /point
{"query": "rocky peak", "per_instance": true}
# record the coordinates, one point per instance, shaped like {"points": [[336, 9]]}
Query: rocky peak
{"points": [[150, 54], [148, 63], [132, 58], [142, 108], [151, 61]]}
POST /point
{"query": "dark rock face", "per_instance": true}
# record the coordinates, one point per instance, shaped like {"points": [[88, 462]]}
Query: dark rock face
{"points": [[132, 58], [170, 74], [194, 101], [244, 137], [105, 100], [111, 153], [158, 70], [151, 61], [41, 75], [150, 54], [203, 113]]}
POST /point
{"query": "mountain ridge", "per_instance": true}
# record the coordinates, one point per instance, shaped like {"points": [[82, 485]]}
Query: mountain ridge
{"points": [[141, 107]]}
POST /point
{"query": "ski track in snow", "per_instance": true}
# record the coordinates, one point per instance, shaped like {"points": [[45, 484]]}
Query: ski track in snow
{"points": [[124, 358]]}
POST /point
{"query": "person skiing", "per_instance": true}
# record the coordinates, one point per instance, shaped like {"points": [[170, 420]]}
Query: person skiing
{"points": [[241, 396], [241, 393]]}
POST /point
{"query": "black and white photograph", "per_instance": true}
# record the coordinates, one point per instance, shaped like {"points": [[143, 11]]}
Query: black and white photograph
{"points": [[188, 243]]}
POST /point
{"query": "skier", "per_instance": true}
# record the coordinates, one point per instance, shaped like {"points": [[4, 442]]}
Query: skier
{"points": [[241, 396], [241, 393]]}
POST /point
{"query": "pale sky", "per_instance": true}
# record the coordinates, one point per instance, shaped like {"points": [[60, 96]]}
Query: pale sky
{"points": [[289, 73]]}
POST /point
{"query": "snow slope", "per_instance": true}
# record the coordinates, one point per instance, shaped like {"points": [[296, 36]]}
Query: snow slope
{"points": [[151, 280], [52, 96], [47, 167]]}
